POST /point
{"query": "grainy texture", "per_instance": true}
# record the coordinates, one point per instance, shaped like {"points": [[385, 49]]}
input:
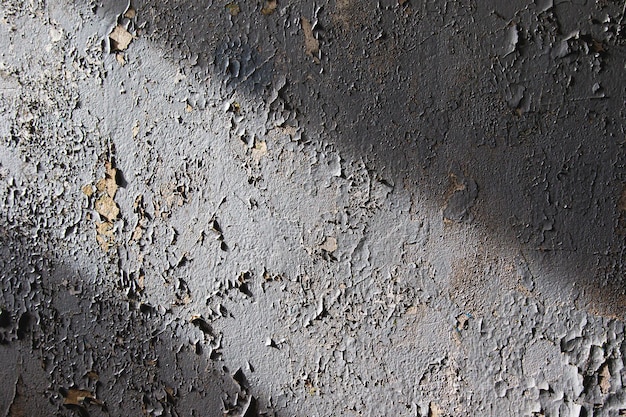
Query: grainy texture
{"points": [[312, 208]]}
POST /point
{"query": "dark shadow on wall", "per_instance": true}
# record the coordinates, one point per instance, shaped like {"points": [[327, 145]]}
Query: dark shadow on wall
{"points": [[507, 119], [70, 345]]}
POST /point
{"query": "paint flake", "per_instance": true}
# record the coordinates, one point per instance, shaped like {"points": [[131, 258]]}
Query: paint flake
{"points": [[120, 38]]}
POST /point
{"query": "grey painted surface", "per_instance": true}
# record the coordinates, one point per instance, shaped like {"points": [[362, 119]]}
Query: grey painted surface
{"points": [[343, 208]]}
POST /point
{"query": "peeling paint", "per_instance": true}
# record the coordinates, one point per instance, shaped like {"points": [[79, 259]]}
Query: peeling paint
{"points": [[333, 208]]}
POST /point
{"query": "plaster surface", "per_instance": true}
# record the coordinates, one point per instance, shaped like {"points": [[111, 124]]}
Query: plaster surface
{"points": [[312, 208]]}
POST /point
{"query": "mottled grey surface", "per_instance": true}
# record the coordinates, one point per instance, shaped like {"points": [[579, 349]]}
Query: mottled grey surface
{"points": [[312, 209]]}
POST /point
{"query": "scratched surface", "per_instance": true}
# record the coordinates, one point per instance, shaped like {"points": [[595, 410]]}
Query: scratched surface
{"points": [[332, 208]]}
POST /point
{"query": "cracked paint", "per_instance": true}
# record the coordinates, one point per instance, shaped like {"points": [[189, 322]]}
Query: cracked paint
{"points": [[335, 208]]}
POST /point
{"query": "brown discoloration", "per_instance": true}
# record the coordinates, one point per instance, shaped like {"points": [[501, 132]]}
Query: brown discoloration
{"points": [[469, 283], [20, 403], [606, 300], [348, 13], [311, 44], [475, 278], [454, 185], [604, 379], [329, 244], [76, 396], [434, 410], [269, 7], [233, 8], [120, 38], [107, 208]]}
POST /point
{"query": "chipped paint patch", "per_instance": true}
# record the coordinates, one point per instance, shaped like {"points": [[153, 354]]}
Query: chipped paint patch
{"points": [[276, 243], [311, 44]]}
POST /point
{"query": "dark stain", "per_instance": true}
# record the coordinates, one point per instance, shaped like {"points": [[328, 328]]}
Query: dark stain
{"points": [[417, 90], [65, 330]]}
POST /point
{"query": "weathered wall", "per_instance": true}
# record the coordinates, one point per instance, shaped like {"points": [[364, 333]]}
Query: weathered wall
{"points": [[312, 209]]}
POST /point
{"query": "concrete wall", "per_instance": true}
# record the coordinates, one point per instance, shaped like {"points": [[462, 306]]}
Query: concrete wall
{"points": [[339, 208]]}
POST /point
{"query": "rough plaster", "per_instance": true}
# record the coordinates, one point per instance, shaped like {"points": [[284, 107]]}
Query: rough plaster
{"points": [[312, 209]]}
